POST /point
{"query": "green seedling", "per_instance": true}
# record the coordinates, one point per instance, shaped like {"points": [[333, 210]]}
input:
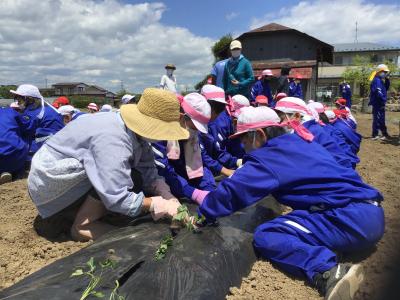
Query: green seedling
{"points": [[95, 280], [162, 249], [184, 217]]}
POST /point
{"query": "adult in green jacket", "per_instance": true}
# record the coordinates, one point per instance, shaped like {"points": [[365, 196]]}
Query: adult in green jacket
{"points": [[238, 75]]}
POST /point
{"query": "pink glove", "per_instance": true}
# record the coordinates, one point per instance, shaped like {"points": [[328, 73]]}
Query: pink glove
{"points": [[163, 208], [199, 195]]}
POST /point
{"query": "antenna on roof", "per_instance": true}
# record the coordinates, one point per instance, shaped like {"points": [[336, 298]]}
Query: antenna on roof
{"points": [[356, 39]]}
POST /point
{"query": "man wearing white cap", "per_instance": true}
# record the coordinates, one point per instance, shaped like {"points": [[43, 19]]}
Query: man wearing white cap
{"points": [[262, 87], [222, 156], [238, 75], [85, 170], [334, 211], [42, 119], [181, 162]]}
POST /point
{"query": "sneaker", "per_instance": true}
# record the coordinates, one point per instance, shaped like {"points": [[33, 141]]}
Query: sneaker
{"points": [[384, 138], [339, 283], [376, 137], [5, 177]]}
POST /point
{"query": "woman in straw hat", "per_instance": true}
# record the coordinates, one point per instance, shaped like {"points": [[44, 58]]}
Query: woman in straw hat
{"points": [[85, 170]]}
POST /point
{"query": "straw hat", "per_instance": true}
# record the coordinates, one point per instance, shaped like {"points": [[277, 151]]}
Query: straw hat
{"points": [[156, 116]]}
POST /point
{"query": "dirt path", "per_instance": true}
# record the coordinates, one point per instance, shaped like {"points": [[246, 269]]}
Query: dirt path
{"points": [[22, 251]]}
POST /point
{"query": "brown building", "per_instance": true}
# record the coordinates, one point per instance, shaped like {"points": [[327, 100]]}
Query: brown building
{"points": [[273, 45], [81, 89]]}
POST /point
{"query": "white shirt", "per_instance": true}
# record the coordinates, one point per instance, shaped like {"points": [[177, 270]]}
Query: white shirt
{"points": [[168, 83]]}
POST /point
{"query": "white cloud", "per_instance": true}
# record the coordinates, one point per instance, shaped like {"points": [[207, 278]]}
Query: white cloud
{"points": [[334, 21], [231, 16], [96, 41]]}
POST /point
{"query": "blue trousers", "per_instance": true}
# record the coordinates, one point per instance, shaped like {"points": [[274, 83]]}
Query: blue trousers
{"points": [[378, 120], [302, 243]]}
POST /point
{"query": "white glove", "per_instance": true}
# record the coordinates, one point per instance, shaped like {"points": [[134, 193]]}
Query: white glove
{"points": [[161, 208], [239, 163]]}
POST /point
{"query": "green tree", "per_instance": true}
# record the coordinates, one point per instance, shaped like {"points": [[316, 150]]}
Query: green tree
{"points": [[359, 73], [220, 50], [5, 91], [362, 70]]}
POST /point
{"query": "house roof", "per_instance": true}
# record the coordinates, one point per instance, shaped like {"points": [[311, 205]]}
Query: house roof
{"points": [[360, 47], [68, 83], [274, 27], [271, 27]]}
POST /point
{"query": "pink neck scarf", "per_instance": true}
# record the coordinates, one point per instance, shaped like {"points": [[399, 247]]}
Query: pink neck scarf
{"points": [[191, 148]]}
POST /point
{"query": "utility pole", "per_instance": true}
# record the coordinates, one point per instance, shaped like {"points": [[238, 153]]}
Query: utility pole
{"points": [[45, 80], [356, 39], [122, 85]]}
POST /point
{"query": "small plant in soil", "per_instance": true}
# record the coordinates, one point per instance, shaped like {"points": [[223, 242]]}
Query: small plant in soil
{"points": [[184, 218], [95, 279]]}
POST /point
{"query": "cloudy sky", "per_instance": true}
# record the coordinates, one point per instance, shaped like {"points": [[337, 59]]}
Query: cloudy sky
{"points": [[106, 42]]}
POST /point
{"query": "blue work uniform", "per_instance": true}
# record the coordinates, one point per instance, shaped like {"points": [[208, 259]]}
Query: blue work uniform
{"points": [[333, 209], [39, 130], [262, 87], [175, 174], [13, 149], [345, 91], [378, 98], [352, 137], [323, 138], [338, 136], [77, 115], [218, 149], [295, 90], [218, 72]]}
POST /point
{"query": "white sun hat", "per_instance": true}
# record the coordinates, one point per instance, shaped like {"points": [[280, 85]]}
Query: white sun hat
{"points": [[66, 110], [106, 108], [198, 109], [290, 105], [213, 93], [29, 90], [253, 118], [127, 98], [238, 103]]}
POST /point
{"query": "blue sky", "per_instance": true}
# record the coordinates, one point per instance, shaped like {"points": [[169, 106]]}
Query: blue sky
{"points": [[214, 18]]}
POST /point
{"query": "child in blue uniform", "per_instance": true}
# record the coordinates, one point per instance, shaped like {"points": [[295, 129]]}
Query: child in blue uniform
{"points": [[295, 109], [333, 209], [42, 120], [378, 97], [13, 149], [222, 156], [295, 88], [180, 162], [336, 135], [352, 137]]}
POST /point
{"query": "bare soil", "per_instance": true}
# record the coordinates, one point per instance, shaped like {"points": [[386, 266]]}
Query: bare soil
{"points": [[23, 251]]}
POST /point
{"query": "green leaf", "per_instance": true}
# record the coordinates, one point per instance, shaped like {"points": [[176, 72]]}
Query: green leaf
{"points": [[97, 294], [91, 264], [77, 272]]}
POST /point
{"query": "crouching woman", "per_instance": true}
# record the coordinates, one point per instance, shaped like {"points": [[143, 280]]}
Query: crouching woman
{"points": [[84, 171]]}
